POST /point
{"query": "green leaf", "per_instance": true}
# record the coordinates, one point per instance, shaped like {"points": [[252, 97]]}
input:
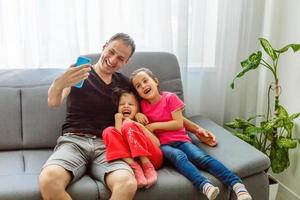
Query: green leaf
{"points": [[244, 137], [252, 130], [252, 62], [268, 125], [286, 143], [288, 126], [279, 159], [232, 124], [254, 117], [268, 48], [282, 112], [238, 124], [232, 84], [294, 116], [295, 48], [267, 129], [245, 69], [279, 121]]}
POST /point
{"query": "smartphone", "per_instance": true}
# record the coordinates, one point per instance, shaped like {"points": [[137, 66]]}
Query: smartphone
{"points": [[81, 61]]}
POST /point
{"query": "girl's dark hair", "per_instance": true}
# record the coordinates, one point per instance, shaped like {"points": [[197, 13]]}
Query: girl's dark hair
{"points": [[118, 92], [147, 71]]}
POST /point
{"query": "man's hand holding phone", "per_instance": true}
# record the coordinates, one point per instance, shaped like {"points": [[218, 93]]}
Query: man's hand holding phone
{"points": [[81, 63], [74, 75], [61, 86]]}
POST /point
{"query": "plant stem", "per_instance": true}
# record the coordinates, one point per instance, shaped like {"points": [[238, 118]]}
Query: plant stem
{"points": [[277, 93], [268, 66], [276, 67], [268, 108]]}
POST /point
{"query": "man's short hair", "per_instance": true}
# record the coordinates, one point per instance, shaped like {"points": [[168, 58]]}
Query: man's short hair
{"points": [[126, 39]]}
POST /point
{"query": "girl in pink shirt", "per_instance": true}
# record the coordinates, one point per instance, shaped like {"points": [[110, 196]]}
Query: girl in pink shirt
{"points": [[164, 112]]}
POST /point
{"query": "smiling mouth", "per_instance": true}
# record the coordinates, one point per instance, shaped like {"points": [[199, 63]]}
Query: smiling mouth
{"points": [[126, 113], [109, 64], [147, 91]]}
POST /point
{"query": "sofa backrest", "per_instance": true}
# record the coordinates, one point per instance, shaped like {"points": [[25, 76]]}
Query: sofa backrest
{"points": [[164, 65], [26, 122]]}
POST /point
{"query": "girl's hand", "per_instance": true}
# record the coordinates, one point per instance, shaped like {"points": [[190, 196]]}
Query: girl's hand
{"points": [[118, 121], [141, 118], [118, 117], [150, 127], [206, 137]]}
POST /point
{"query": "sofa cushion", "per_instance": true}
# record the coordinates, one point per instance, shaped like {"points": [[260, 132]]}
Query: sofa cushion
{"points": [[230, 148], [19, 176], [25, 186], [44, 132], [11, 162], [35, 159], [19, 186], [23, 162], [170, 185], [10, 119]]}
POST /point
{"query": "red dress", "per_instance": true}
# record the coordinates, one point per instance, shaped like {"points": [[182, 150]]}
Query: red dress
{"points": [[131, 143]]}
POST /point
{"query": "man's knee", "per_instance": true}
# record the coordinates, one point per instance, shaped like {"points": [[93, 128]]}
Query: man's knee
{"points": [[122, 181], [53, 179], [128, 182]]}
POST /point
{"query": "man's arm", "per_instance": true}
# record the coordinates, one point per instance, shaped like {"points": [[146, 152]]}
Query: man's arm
{"points": [[56, 95], [61, 87]]}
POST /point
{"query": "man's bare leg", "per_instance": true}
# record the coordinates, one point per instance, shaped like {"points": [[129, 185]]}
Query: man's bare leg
{"points": [[53, 181], [122, 185]]}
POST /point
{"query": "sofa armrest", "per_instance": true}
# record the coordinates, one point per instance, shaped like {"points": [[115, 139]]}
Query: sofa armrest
{"points": [[234, 153]]}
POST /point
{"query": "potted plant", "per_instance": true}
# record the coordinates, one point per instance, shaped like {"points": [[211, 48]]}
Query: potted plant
{"points": [[271, 133]]}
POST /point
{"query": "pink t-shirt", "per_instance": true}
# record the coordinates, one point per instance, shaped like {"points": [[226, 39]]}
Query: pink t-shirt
{"points": [[161, 112]]}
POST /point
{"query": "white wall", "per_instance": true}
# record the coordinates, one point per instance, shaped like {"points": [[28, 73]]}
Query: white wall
{"points": [[285, 29]]}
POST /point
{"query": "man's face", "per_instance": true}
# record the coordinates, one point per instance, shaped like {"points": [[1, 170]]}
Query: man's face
{"points": [[114, 56]]}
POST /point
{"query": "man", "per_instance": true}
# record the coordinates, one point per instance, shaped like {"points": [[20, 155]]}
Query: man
{"points": [[89, 111]]}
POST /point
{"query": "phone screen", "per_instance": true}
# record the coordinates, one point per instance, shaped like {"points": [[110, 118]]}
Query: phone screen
{"points": [[81, 61]]}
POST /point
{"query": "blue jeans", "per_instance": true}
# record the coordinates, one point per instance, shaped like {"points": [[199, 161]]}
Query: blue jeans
{"points": [[186, 157]]}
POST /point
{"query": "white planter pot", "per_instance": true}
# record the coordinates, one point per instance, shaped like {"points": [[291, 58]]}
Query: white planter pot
{"points": [[273, 188]]}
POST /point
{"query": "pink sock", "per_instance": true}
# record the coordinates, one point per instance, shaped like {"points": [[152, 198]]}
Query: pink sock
{"points": [[139, 174], [150, 173]]}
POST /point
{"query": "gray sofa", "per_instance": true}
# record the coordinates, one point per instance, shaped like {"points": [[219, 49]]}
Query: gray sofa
{"points": [[29, 129]]}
